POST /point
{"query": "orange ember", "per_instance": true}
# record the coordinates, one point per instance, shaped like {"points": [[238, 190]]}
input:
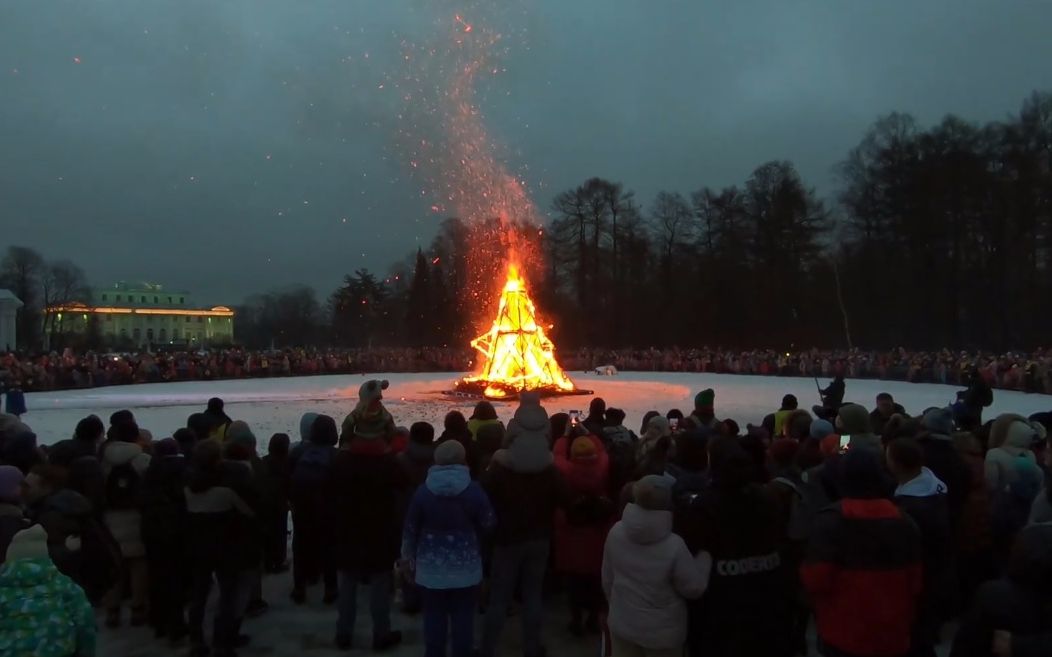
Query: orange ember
{"points": [[518, 356]]}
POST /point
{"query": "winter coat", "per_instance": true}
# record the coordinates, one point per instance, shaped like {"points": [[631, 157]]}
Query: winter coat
{"points": [[740, 528], [363, 494], [416, 460], [973, 527], [43, 613], [163, 503], [12, 521], [942, 458], [925, 499], [220, 525], [125, 524], [648, 575], [1009, 439], [275, 481], [1018, 603], [863, 572], [62, 515], [525, 489], [475, 424], [877, 420], [579, 548], [442, 528]]}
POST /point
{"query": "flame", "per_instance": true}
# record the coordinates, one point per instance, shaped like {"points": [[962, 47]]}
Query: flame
{"points": [[518, 355]]}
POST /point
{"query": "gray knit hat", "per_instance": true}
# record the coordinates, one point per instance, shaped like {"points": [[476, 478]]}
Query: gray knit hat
{"points": [[450, 452]]}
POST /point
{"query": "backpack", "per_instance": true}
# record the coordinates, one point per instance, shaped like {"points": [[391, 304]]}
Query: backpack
{"points": [[99, 562], [312, 467], [123, 488], [590, 510]]}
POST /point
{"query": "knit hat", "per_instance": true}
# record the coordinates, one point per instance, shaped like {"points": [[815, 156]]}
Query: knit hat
{"points": [[705, 400], [166, 447], [450, 452], [583, 448], [790, 403], [29, 543], [10, 483], [215, 405], [821, 428], [862, 474], [615, 416], [854, 419], [369, 419], [653, 492], [938, 421], [422, 433]]}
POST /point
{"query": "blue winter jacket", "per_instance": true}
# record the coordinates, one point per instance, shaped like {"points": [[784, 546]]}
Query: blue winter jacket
{"points": [[442, 528]]}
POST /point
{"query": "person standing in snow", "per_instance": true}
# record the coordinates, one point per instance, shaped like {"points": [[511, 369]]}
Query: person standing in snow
{"points": [[309, 466], [923, 497], [525, 489], [441, 551], [648, 574]]}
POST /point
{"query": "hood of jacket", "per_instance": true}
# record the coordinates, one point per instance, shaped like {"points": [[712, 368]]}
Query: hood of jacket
{"points": [[926, 484], [529, 454], [618, 435], [116, 453], [646, 527], [306, 422], [448, 480]]}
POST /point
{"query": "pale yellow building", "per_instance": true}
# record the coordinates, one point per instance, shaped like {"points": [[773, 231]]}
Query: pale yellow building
{"points": [[146, 314]]}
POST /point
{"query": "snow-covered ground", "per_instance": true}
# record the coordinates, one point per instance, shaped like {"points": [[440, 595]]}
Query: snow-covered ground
{"points": [[275, 405]]}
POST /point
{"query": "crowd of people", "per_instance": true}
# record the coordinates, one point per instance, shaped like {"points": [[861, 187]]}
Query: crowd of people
{"points": [[1029, 372], [693, 535]]}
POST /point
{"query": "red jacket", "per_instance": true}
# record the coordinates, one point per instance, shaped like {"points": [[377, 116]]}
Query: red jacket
{"points": [[863, 572], [579, 550]]}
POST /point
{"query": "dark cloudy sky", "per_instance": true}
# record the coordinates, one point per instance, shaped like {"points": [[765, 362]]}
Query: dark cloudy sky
{"points": [[235, 146]]}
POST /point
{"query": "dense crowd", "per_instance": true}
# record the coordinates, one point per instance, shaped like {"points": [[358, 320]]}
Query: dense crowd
{"points": [[693, 535], [1030, 372]]}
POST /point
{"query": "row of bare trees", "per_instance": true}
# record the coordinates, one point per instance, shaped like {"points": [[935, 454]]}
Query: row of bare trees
{"points": [[41, 284]]}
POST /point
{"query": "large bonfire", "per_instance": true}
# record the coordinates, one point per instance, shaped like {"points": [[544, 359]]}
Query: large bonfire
{"points": [[517, 355]]}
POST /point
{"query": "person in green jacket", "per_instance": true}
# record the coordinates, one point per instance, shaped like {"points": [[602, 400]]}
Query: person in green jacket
{"points": [[43, 613]]}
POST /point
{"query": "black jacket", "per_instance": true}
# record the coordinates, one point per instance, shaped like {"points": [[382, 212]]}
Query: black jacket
{"points": [[932, 517], [740, 529], [164, 503], [524, 502], [1020, 603], [364, 493]]}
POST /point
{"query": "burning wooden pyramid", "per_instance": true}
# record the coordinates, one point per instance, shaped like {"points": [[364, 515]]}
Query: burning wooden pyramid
{"points": [[518, 356]]}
